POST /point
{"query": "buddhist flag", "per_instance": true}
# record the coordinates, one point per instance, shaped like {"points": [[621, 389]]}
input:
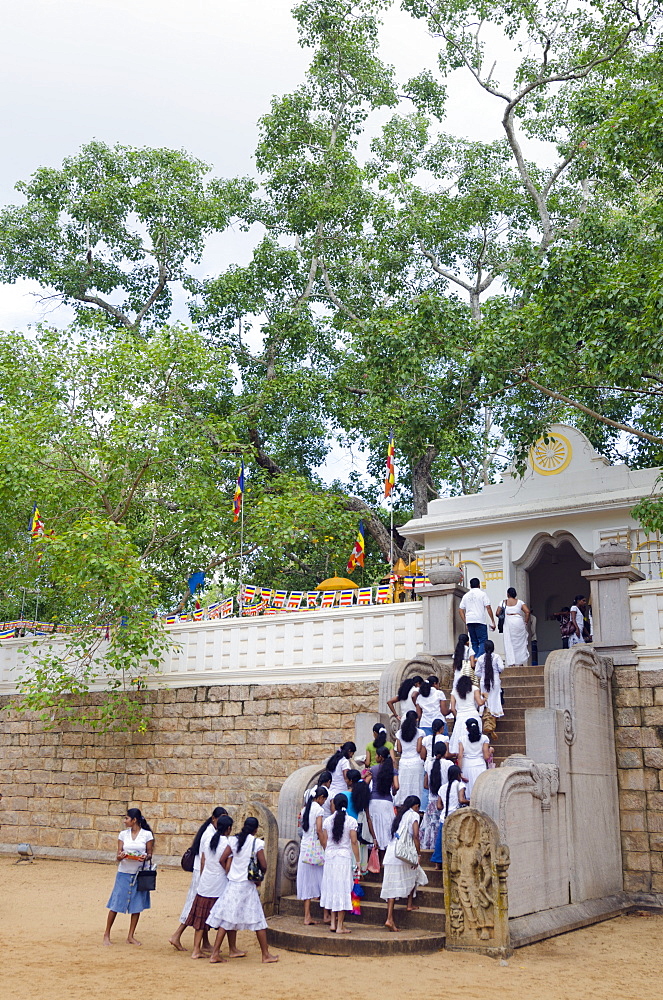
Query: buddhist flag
{"points": [[239, 493], [36, 525], [390, 477], [357, 555]]}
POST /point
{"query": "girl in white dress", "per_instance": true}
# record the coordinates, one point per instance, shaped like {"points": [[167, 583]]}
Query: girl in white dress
{"points": [[339, 839], [401, 879], [202, 838], [516, 617], [463, 661], [239, 908], [436, 736], [430, 703], [211, 886], [473, 754], [489, 667], [451, 797], [409, 750], [384, 785], [338, 764], [466, 701], [311, 853], [405, 696], [436, 769]]}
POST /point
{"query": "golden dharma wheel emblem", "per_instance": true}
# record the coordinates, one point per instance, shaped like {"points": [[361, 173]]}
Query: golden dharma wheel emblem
{"points": [[551, 456]]}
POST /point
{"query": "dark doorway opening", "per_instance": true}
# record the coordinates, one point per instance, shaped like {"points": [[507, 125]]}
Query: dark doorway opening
{"points": [[554, 580]]}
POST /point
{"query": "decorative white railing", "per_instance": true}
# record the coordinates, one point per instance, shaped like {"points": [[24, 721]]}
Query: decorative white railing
{"points": [[337, 644], [646, 599]]}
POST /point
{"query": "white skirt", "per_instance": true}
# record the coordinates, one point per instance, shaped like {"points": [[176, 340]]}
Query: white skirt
{"points": [[471, 772], [410, 780], [239, 909], [336, 889], [400, 878], [190, 896], [309, 880], [460, 729], [382, 816]]}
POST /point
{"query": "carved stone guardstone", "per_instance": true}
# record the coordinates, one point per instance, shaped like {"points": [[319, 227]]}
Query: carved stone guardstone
{"points": [[475, 867]]}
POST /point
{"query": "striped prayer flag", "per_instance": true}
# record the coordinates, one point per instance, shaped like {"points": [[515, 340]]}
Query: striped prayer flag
{"points": [[239, 494], [266, 594], [312, 598], [328, 599], [7, 633], [390, 472], [384, 594], [184, 618], [171, 619], [365, 595], [279, 598], [214, 606], [198, 615], [295, 600], [357, 554], [346, 598], [36, 525], [249, 592], [227, 607]]}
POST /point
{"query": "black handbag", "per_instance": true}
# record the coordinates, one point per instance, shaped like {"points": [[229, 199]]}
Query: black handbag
{"points": [[254, 872], [188, 859], [146, 878], [501, 615]]}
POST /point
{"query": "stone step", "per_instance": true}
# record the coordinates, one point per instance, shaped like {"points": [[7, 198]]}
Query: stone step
{"points": [[508, 725], [434, 877], [522, 702], [426, 918], [365, 939], [428, 895]]}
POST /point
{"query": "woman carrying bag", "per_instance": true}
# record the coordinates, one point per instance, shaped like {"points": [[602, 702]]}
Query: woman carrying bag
{"points": [[402, 871], [134, 848]]}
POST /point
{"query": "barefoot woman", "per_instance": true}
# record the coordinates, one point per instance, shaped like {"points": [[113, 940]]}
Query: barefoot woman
{"points": [[134, 844]]}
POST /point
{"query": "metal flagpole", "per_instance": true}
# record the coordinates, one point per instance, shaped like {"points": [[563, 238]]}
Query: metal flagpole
{"points": [[241, 549]]}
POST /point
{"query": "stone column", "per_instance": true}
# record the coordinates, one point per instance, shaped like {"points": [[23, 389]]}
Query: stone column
{"points": [[442, 623], [611, 607]]}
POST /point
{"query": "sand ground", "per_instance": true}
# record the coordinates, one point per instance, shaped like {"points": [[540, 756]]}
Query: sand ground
{"points": [[52, 915]]}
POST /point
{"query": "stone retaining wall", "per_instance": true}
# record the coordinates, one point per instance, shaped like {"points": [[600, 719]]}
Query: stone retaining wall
{"points": [[638, 699], [66, 790]]}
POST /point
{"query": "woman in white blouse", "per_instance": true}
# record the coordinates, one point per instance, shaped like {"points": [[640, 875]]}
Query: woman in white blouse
{"points": [[134, 846]]}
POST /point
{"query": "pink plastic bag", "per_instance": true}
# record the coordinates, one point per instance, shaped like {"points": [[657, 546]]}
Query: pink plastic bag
{"points": [[374, 861]]}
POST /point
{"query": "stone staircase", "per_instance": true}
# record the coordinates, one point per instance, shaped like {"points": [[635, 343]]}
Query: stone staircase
{"points": [[523, 688], [421, 931]]}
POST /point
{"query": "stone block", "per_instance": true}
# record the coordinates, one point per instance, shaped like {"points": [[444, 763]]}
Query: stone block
{"points": [[657, 882], [653, 716], [637, 862], [637, 881], [652, 736], [627, 716], [656, 841], [628, 736], [655, 822], [653, 758], [634, 697], [232, 708], [635, 842], [651, 678], [633, 820], [185, 694], [629, 758], [632, 800]]}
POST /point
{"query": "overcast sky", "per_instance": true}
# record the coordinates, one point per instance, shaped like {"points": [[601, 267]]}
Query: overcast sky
{"points": [[186, 74]]}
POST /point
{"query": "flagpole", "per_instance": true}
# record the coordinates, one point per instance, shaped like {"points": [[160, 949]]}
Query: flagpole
{"points": [[241, 553]]}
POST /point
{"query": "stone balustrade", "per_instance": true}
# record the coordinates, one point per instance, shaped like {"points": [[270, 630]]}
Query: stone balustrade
{"points": [[646, 600], [339, 644]]}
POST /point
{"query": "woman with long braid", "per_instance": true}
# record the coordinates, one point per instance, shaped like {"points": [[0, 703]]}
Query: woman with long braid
{"points": [[339, 839]]}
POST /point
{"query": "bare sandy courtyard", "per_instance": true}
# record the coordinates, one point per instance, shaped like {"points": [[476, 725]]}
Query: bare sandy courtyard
{"points": [[52, 916]]}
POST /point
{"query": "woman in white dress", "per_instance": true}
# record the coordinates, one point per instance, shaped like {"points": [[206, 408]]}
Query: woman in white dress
{"points": [[401, 878], [311, 853], [405, 697], [211, 886], [436, 769], [489, 667], [466, 701], [338, 764], [384, 785], [516, 617], [409, 750], [339, 839], [436, 736], [430, 703], [451, 797], [464, 660], [473, 754], [239, 908], [202, 838]]}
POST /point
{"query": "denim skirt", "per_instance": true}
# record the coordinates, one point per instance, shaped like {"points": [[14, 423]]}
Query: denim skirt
{"points": [[125, 897]]}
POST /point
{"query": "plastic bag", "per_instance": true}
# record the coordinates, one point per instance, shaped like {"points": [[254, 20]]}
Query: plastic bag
{"points": [[374, 861]]}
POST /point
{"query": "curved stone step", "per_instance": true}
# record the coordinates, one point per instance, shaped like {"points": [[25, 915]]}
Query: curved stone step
{"points": [[374, 912], [364, 939], [428, 895]]}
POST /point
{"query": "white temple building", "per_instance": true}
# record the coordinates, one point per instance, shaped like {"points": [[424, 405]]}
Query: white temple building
{"points": [[537, 533]]}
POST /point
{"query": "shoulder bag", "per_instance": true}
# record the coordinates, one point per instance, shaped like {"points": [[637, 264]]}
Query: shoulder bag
{"points": [[501, 615], [311, 852], [254, 872], [146, 878], [188, 859], [405, 847]]}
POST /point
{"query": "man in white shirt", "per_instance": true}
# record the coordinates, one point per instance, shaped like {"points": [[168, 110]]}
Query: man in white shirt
{"points": [[473, 609]]}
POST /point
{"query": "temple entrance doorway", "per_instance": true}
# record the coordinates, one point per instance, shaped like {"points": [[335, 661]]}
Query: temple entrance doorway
{"points": [[553, 566]]}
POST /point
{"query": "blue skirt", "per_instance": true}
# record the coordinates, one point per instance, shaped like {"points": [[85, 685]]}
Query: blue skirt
{"points": [[125, 897]]}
